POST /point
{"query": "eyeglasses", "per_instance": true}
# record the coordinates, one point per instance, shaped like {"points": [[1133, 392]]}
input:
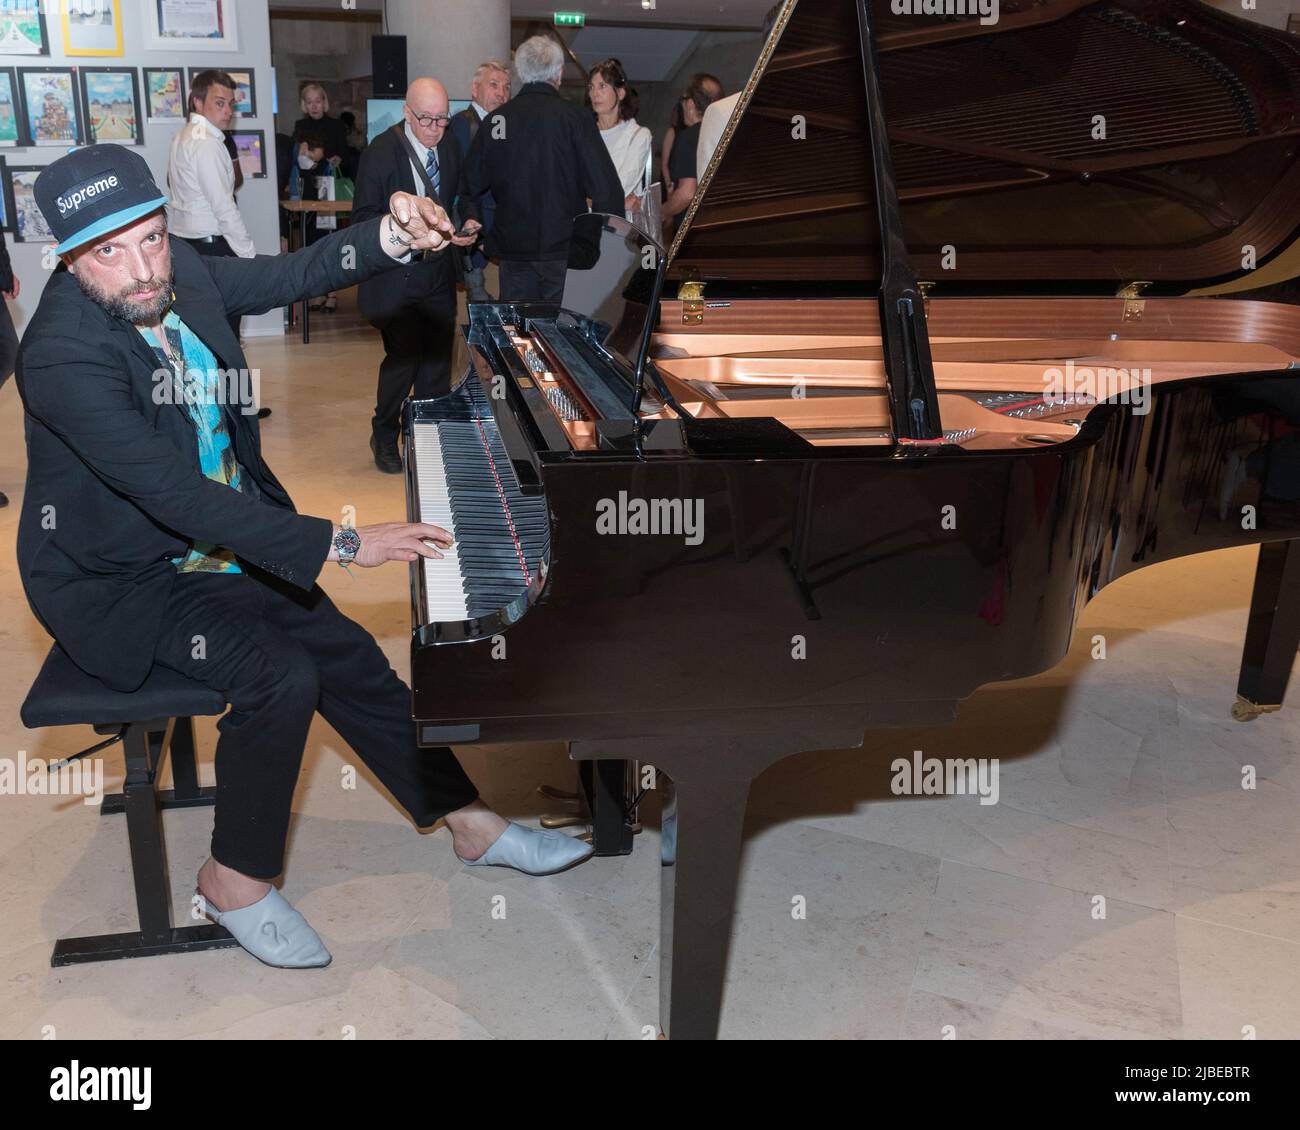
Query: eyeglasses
{"points": [[426, 120]]}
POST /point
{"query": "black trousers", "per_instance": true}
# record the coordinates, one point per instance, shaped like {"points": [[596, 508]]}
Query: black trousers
{"points": [[216, 246], [418, 340], [280, 655], [538, 281]]}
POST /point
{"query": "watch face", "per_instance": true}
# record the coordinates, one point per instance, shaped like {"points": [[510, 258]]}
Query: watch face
{"points": [[347, 542]]}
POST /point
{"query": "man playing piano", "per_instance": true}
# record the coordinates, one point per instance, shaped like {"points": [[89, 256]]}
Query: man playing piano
{"points": [[153, 532]]}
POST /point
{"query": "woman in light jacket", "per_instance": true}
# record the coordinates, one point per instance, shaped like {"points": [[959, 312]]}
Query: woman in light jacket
{"points": [[629, 143]]}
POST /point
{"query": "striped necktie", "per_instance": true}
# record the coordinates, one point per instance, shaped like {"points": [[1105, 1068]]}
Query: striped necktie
{"points": [[431, 167]]}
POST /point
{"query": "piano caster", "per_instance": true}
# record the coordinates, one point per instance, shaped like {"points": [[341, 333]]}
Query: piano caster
{"points": [[1245, 711]]}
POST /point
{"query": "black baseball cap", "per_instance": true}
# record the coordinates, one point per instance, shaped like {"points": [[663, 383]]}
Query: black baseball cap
{"points": [[95, 190]]}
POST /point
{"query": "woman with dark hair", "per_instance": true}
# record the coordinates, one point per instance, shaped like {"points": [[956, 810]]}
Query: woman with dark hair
{"points": [[615, 104]]}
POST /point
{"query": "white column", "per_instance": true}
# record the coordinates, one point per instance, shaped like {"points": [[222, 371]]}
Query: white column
{"points": [[447, 39]]}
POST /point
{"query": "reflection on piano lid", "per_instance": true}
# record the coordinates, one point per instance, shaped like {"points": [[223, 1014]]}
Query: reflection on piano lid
{"points": [[1070, 142]]}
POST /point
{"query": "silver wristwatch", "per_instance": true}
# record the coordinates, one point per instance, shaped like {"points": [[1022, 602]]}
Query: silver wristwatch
{"points": [[348, 543]]}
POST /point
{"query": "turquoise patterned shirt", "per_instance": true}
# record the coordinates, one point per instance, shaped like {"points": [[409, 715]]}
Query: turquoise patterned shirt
{"points": [[198, 389]]}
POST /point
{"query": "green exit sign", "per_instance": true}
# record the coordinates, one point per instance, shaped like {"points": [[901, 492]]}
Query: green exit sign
{"points": [[570, 19]]}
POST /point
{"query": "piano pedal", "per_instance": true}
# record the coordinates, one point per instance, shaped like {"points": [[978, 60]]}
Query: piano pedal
{"points": [[1243, 710], [564, 820], [552, 793], [588, 837]]}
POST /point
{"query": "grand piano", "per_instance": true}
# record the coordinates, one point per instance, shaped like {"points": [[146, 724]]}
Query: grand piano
{"points": [[965, 322]]}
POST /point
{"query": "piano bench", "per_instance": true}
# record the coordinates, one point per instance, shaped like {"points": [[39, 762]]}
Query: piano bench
{"points": [[150, 723]]}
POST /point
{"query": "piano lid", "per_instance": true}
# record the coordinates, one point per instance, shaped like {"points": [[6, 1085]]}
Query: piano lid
{"points": [[1071, 140]]}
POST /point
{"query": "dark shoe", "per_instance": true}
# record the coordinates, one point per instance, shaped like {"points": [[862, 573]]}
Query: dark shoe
{"points": [[386, 457], [263, 413], [4, 500]]}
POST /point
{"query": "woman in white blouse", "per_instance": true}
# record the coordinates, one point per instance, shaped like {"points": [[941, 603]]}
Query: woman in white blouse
{"points": [[628, 142]]}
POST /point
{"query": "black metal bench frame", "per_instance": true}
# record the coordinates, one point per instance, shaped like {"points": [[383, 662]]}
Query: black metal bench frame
{"points": [[146, 746]]}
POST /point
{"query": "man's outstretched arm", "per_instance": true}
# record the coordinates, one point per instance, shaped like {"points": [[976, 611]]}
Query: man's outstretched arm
{"points": [[350, 256]]}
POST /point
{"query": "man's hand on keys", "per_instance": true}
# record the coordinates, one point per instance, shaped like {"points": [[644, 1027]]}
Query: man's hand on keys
{"points": [[397, 541]]}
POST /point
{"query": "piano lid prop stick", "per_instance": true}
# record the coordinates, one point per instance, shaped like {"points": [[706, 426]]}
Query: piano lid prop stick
{"points": [[909, 371]]}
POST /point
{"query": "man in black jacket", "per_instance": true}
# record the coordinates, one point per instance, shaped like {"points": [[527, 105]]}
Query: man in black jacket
{"points": [[414, 309], [541, 157], [153, 532]]}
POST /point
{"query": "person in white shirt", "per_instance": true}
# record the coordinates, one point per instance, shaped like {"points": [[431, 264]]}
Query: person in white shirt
{"points": [[201, 176], [712, 127], [629, 143]]}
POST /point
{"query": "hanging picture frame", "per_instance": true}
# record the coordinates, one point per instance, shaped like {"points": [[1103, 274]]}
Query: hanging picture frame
{"points": [[165, 93], [191, 25], [11, 127], [245, 88], [22, 28], [29, 224], [250, 144], [111, 99], [51, 114], [92, 27]]}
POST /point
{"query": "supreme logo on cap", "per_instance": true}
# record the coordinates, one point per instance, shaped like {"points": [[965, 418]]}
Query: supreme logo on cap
{"points": [[71, 200]]}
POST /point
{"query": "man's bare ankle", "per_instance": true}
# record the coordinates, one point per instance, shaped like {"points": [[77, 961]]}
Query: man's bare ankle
{"points": [[228, 889]]}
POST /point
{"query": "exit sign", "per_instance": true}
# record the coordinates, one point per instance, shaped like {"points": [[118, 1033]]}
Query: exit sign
{"points": [[570, 19]]}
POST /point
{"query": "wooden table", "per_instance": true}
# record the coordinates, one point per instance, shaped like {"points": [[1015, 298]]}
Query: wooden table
{"points": [[305, 208]]}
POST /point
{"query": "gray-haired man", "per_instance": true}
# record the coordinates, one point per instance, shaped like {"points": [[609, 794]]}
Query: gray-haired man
{"points": [[541, 157]]}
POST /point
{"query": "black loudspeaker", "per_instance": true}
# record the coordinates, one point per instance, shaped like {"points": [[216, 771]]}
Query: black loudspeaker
{"points": [[388, 62]]}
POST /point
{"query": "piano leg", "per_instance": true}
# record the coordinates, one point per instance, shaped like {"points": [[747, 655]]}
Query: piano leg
{"points": [[1272, 631], [705, 787]]}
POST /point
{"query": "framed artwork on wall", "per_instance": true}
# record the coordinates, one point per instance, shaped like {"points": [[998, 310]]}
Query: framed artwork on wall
{"points": [[164, 94], [111, 97], [6, 199], [10, 130], [29, 225], [92, 27], [191, 25], [22, 28], [245, 88], [251, 146], [50, 112]]}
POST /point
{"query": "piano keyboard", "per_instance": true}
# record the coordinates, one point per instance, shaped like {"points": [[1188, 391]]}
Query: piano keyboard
{"points": [[465, 485]]}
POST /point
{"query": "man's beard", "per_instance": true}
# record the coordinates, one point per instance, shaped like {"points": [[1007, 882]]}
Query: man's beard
{"points": [[121, 305]]}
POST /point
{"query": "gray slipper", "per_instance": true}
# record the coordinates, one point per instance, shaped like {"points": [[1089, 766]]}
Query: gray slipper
{"points": [[273, 932]]}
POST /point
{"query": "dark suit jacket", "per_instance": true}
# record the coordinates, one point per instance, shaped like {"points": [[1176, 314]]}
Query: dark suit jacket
{"points": [[540, 168], [385, 169], [465, 125], [113, 482]]}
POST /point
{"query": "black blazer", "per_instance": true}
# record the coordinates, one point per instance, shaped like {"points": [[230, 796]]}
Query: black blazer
{"points": [[540, 167], [114, 487], [385, 169]]}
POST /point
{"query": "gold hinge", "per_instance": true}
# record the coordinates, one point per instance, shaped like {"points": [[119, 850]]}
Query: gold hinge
{"points": [[925, 288], [691, 296], [1134, 304]]}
